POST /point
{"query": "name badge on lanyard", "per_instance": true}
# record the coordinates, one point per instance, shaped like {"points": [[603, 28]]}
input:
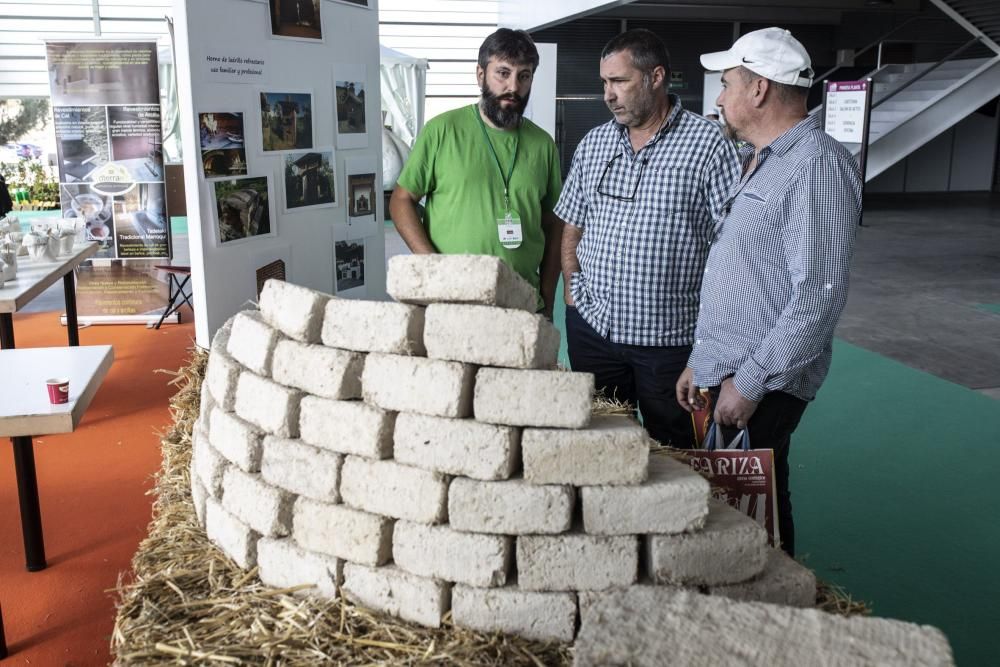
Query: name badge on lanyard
{"points": [[509, 229]]}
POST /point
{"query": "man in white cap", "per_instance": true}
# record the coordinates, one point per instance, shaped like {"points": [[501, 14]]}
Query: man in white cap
{"points": [[777, 275]]}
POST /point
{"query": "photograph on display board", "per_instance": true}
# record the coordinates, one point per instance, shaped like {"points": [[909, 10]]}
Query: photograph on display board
{"points": [[223, 153], [141, 224], [272, 270], [243, 208], [286, 121], [310, 180], [85, 73], [81, 141], [350, 107], [299, 19], [93, 211], [136, 142], [361, 193], [350, 264]]}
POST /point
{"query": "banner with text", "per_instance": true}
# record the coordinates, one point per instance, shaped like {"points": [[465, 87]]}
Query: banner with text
{"points": [[106, 108]]}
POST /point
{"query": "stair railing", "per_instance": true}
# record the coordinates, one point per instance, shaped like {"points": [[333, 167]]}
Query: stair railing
{"points": [[909, 82], [877, 43]]}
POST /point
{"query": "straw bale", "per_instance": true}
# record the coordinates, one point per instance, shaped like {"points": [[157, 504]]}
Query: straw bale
{"points": [[185, 602]]}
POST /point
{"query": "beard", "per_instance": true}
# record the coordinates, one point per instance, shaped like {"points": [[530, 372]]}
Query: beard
{"points": [[641, 108], [727, 128], [504, 118]]}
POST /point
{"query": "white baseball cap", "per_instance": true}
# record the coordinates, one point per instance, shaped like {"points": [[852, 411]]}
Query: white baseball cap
{"points": [[772, 52]]}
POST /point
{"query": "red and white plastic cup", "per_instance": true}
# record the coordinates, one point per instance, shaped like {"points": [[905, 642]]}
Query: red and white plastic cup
{"points": [[58, 390]]}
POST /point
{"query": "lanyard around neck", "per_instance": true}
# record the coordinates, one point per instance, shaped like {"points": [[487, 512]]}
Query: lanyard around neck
{"points": [[496, 158]]}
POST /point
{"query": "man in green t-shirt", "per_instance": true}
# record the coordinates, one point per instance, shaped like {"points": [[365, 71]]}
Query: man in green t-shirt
{"points": [[491, 177]]}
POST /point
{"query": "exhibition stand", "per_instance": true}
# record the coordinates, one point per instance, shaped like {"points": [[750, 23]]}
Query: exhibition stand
{"points": [[281, 126]]}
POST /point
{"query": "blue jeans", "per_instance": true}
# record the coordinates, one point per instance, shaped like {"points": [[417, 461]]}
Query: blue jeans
{"points": [[643, 376]]}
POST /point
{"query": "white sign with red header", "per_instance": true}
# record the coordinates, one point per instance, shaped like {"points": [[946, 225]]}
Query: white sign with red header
{"points": [[845, 110]]}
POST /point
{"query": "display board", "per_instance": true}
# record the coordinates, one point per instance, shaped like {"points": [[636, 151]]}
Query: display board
{"points": [[847, 113], [106, 113], [282, 141], [845, 109]]}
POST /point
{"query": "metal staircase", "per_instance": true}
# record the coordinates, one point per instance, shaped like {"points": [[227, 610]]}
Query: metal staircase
{"points": [[980, 17], [914, 103]]}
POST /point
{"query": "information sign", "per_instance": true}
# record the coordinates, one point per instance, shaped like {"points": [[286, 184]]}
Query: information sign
{"points": [[845, 110]]}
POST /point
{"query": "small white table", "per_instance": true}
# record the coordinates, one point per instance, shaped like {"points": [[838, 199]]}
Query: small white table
{"points": [[25, 411], [33, 278]]}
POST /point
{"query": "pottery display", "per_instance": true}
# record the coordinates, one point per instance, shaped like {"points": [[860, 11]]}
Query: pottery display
{"points": [[41, 246], [67, 238], [8, 256]]}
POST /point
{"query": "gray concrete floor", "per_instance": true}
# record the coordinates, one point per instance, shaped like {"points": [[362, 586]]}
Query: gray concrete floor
{"points": [[923, 270]]}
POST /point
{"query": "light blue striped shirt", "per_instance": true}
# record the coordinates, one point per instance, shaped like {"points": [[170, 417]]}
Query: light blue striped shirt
{"points": [[777, 276]]}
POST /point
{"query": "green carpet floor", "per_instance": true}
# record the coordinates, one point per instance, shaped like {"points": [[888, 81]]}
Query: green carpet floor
{"points": [[990, 307], [892, 471], [892, 475]]}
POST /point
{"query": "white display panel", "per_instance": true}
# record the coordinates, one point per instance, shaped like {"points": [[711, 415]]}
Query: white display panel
{"points": [[226, 57]]}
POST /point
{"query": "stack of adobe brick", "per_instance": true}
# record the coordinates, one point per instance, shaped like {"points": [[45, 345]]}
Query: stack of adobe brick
{"points": [[426, 456]]}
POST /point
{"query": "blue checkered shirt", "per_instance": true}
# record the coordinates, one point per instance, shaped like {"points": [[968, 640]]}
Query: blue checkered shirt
{"points": [[776, 279], [641, 261]]}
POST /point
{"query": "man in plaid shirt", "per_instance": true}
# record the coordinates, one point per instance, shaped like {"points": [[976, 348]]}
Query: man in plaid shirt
{"points": [[776, 279], [642, 203]]}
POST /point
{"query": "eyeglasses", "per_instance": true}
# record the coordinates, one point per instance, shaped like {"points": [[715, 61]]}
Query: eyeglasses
{"points": [[635, 187]]}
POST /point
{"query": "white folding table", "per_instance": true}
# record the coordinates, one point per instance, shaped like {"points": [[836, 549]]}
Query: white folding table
{"points": [[33, 278], [25, 411]]}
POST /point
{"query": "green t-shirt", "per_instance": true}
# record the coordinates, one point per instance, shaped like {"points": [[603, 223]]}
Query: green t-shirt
{"points": [[453, 166]]}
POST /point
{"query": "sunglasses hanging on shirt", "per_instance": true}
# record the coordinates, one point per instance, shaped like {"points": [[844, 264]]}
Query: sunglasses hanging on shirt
{"points": [[618, 196]]}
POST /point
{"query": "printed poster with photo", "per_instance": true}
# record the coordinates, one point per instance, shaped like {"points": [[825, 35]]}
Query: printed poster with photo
{"points": [[350, 92], [223, 148], [79, 201], [136, 141], [244, 209], [310, 180], [296, 19], [286, 121], [349, 268], [361, 195], [269, 262], [106, 112], [82, 143], [141, 228], [98, 73]]}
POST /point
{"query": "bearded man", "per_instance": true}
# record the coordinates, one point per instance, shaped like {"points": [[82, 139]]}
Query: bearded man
{"points": [[490, 176], [642, 203]]}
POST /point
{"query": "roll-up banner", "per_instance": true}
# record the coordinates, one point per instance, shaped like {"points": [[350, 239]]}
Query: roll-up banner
{"points": [[106, 107]]}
